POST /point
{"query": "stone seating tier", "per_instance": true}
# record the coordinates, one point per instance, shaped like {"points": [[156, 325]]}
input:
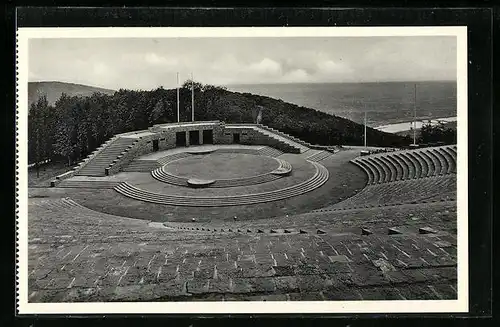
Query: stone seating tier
{"points": [[436, 188], [319, 156], [408, 164], [141, 166], [108, 256], [72, 183]]}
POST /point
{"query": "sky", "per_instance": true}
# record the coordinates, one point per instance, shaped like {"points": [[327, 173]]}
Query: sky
{"points": [[146, 63]]}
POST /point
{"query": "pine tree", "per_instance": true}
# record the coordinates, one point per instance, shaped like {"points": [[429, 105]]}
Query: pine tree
{"points": [[66, 135], [38, 132]]}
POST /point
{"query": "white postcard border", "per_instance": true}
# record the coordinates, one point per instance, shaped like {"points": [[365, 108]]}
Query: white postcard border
{"points": [[427, 306]]}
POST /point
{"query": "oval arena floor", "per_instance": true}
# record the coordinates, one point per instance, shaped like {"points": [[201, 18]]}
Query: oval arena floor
{"points": [[255, 224]]}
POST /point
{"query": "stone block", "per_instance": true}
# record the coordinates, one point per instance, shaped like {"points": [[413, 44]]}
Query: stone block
{"points": [[263, 284], [306, 269], [365, 231], [339, 258], [286, 283], [197, 286], [241, 285], [313, 282], [340, 293], [284, 270], [427, 230], [393, 231]]}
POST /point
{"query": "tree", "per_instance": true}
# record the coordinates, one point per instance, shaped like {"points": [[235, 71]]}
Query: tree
{"points": [[66, 135], [38, 134], [434, 133], [197, 86], [157, 112], [75, 126]]}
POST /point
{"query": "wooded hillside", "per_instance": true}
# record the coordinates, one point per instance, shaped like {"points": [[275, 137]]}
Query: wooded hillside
{"points": [[76, 125]]}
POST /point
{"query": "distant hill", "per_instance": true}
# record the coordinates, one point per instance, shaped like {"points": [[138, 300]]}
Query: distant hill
{"points": [[53, 90]]}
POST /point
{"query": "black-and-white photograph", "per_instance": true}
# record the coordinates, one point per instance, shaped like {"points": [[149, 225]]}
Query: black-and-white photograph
{"points": [[250, 167]]}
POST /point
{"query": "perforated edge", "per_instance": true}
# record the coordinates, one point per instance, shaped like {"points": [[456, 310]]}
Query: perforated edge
{"points": [[17, 174]]}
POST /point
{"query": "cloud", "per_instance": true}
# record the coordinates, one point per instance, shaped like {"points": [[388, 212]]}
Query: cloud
{"points": [[266, 67], [154, 59], [296, 76], [329, 67], [148, 63], [101, 69]]}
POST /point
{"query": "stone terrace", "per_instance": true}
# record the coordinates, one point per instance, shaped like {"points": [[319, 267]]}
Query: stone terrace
{"points": [[92, 256]]}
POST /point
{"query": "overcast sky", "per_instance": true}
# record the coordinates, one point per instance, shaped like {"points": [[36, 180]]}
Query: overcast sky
{"points": [[149, 63]]}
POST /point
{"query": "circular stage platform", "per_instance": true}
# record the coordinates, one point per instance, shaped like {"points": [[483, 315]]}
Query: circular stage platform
{"points": [[234, 169], [214, 166]]}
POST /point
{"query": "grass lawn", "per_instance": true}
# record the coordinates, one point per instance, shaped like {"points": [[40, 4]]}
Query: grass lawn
{"points": [[46, 174]]}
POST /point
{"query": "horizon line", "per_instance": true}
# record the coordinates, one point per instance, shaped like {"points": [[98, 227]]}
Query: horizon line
{"points": [[243, 84]]}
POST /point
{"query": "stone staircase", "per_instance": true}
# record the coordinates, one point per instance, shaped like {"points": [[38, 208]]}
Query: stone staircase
{"points": [[288, 136], [101, 159], [283, 138]]}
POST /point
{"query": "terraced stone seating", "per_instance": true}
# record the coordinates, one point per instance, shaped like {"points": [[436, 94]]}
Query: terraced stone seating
{"points": [[409, 218], [319, 178], [101, 258], [430, 189], [319, 156], [101, 160], [172, 157], [238, 150], [72, 183], [141, 166], [408, 164], [165, 177], [284, 168], [428, 219], [270, 152], [72, 214]]}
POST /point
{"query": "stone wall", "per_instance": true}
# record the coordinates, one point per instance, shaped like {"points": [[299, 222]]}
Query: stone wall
{"points": [[166, 136], [166, 140]]}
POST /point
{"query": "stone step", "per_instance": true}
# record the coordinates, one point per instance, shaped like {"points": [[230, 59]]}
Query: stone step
{"points": [[318, 179]]}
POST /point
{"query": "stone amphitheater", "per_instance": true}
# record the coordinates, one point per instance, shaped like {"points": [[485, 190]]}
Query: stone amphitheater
{"points": [[220, 212]]}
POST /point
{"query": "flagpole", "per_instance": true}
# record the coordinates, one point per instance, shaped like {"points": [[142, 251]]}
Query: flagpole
{"points": [[178, 115], [192, 98], [415, 114], [365, 128]]}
